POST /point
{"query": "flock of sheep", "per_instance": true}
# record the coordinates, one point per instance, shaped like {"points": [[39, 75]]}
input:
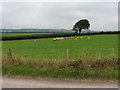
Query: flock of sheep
{"points": [[70, 38]]}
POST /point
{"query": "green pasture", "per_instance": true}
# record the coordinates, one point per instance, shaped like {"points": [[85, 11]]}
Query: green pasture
{"points": [[87, 47], [21, 34]]}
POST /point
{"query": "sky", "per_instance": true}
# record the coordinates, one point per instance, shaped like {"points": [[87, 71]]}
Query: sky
{"points": [[60, 15]]}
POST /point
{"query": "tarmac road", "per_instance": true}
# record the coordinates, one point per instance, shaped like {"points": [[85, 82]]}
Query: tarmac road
{"points": [[23, 82]]}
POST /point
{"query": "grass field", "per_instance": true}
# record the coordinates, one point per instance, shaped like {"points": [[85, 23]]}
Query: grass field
{"points": [[91, 55], [21, 34], [43, 49]]}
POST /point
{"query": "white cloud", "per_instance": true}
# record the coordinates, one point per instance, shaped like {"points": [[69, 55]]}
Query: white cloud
{"points": [[114, 19], [59, 15]]}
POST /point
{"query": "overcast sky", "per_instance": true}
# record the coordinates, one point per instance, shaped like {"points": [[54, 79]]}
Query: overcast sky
{"points": [[59, 15]]}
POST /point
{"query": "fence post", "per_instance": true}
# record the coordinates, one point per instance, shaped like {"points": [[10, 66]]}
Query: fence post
{"points": [[67, 56], [11, 60]]}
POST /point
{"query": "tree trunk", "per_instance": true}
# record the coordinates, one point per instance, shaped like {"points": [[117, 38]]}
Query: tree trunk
{"points": [[80, 30], [76, 31]]}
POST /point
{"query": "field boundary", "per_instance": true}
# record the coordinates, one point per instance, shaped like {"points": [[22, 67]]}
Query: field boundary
{"points": [[23, 37]]}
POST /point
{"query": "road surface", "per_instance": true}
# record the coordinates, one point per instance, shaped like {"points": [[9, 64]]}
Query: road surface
{"points": [[22, 82]]}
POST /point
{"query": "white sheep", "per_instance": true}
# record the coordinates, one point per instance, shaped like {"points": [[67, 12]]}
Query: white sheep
{"points": [[75, 38], [81, 37], [88, 37], [54, 39], [61, 38]]}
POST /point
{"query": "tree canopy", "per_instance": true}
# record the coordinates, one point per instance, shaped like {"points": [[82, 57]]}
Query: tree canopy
{"points": [[82, 24]]}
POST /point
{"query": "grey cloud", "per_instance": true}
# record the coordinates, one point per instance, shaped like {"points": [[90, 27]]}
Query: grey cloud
{"points": [[59, 15]]}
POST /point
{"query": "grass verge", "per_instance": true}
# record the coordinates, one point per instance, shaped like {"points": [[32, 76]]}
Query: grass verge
{"points": [[58, 72], [80, 69]]}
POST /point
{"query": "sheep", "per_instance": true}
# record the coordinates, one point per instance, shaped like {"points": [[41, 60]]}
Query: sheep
{"points": [[58, 38], [81, 37], [88, 37], [54, 39], [61, 38], [76, 38]]}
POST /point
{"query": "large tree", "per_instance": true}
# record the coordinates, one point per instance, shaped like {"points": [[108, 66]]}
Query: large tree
{"points": [[81, 24]]}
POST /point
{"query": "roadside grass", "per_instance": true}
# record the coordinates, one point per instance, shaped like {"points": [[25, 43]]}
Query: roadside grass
{"points": [[80, 69], [98, 63], [62, 73]]}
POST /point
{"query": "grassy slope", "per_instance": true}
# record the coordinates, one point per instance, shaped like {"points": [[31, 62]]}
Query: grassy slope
{"points": [[44, 49]]}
